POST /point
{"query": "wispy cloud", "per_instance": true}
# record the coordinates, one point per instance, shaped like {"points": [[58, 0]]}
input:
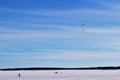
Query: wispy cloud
{"points": [[67, 55], [66, 32]]}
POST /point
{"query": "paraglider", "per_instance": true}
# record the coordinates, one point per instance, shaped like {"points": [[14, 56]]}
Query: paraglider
{"points": [[83, 27]]}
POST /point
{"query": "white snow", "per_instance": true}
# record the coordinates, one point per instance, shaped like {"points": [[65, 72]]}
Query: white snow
{"points": [[61, 75]]}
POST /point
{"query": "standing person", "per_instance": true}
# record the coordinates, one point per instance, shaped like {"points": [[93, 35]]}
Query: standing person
{"points": [[19, 75]]}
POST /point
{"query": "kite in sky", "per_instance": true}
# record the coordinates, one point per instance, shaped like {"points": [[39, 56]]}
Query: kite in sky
{"points": [[83, 27]]}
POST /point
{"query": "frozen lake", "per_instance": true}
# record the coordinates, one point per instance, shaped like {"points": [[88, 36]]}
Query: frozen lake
{"points": [[61, 75]]}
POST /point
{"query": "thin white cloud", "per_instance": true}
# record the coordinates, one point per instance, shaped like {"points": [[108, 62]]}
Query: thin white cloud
{"points": [[90, 14], [67, 32], [60, 13], [104, 30], [68, 55]]}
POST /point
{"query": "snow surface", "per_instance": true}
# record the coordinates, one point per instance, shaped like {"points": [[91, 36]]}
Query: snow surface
{"points": [[61, 75]]}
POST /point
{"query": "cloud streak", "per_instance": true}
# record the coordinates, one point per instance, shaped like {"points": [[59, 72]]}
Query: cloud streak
{"points": [[66, 55]]}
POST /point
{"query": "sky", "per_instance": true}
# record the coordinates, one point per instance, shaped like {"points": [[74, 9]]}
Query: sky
{"points": [[48, 33]]}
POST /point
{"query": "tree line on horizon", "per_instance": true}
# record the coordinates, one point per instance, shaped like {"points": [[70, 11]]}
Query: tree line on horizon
{"points": [[56, 68]]}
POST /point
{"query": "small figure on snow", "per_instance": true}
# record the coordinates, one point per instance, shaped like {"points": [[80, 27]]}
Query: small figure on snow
{"points": [[56, 72], [19, 75]]}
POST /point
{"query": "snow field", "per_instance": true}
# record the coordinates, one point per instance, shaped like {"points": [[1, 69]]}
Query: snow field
{"points": [[61, 75]]}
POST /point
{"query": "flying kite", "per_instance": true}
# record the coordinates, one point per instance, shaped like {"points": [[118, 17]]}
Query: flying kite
{"points": [[82, 26]]}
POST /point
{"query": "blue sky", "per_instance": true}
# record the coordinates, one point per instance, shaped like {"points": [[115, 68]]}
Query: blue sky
{"points": [[47, 33]]}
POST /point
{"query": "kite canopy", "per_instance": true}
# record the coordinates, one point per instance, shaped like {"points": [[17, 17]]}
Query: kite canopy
{"points": [[82, 24]]}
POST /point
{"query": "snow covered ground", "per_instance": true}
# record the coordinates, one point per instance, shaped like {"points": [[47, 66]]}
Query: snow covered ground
{"points": [[61, 75]]}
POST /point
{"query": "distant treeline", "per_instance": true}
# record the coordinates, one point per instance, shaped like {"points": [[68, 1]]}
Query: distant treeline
{"points": [[55, 68]]}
